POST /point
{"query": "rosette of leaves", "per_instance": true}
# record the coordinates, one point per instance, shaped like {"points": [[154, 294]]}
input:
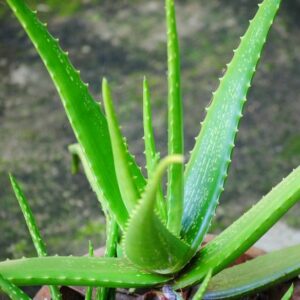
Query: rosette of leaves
{"points": [[154, 238]]}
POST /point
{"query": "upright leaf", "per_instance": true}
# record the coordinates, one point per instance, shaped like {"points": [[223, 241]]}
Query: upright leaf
{"points": [[89, 290], [152, 157], [129, 191], [256, 275], [175, 123], [78, 156], [112, 238], [85, 116], [78, 271], [112, 235], [244, 232], [35, 234], [150, 149], [147, 241], [12, 290], [208, 166]]}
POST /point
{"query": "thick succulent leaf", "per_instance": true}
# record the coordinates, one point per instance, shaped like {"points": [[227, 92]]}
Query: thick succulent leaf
{"points": [[112, 237], [244, 232], [150, 148], [136, 172], [35, 234], [85, 116], [12, 290], [78, 271], [128, 188], [152, 157], [207, 168], [255, 275], [289, 293], [203, 287], [147, 241], [175, 123]]}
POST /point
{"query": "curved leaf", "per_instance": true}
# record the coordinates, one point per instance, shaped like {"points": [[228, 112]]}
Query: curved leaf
{"points": [[147, 241], [255, 275], [82, 271], [244, 232], [207, 168]]}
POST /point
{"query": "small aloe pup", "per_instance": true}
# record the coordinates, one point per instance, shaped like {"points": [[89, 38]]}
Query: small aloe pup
{"points": [[154, 238]]}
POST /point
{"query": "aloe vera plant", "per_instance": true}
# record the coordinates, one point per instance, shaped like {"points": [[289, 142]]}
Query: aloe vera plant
{"points": [[154, 238]]}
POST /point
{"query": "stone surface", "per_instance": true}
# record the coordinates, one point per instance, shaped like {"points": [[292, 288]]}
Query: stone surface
{"points": [[278, 237]]}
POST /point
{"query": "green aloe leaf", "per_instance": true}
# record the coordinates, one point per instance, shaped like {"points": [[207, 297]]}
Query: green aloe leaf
{"points": [[289, 293], [175, 123], [128, 188], [207, 168], [152, 157], [150, 149], [112, 236], [12, 290], [38, 242], [147, 241], [89, 290], [112, 226], [244, 232], [203, 287], [35, 234], [78, 271], [85, 115], [255, 275]]}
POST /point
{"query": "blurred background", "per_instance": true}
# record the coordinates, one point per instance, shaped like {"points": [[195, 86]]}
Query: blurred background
{"points": [[125, 40]]}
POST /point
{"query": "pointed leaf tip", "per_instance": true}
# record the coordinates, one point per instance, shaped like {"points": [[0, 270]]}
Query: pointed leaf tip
{"points": [[122, 161], [208, 166], [38, 242], [152, 157], [175, 122], [148, 243]]}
